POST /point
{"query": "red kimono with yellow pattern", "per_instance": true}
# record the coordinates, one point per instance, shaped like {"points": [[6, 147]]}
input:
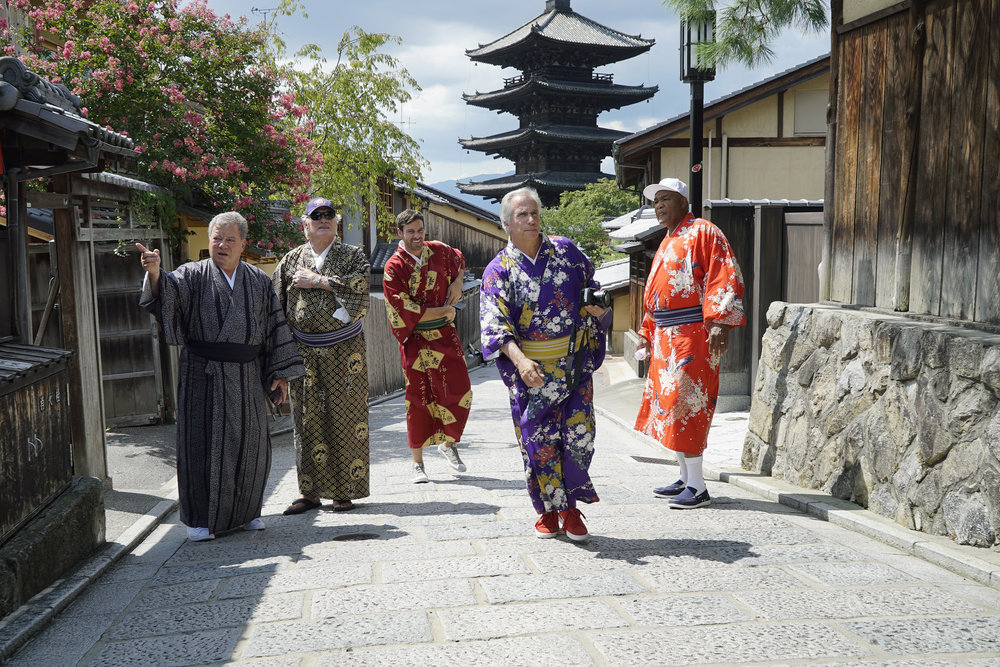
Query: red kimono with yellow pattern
{"points": [[694, 276], [438, 391]]}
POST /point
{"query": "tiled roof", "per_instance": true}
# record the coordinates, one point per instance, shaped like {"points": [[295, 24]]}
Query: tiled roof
{"points": [[612, 96], [563, 26], [54, 104], [545, 134], [612, 275], [565, 180], [427, 193]]}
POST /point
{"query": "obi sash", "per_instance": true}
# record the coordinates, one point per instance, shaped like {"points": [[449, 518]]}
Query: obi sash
{"points": [[327, 338], [227, 352], [432, 324], [667, 317], [547, 350]]}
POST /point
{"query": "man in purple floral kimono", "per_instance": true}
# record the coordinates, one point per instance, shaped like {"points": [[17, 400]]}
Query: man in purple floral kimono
{"points": [[547, 345]]}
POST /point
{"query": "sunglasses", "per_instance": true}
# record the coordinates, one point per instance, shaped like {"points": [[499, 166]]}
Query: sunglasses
{"points": [[323, 215]]}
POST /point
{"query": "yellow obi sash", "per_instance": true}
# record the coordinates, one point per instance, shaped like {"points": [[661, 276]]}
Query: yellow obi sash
{"points": [[548, 350]]}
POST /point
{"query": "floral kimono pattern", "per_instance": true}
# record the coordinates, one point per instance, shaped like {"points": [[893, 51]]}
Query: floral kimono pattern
{"points": [[536, 305], [438, 391], [694, 267]]}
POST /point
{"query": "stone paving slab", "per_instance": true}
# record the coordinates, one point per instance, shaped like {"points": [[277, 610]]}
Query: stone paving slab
{"points": [[500, 590], [343, 632], [191, 648], [449, 568], [193, 617], [328, 603], [931, 635], [736, 644], [548, 650], [508, 620]]}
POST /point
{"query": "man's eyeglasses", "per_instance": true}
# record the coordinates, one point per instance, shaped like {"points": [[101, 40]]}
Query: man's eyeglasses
{"points": [[323, 215]]}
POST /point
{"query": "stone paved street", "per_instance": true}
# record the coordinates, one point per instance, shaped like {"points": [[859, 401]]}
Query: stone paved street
{"points": [[450, 572]]}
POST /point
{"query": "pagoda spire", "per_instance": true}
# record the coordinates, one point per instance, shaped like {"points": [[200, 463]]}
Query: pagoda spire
{"points": [[557, 97]]}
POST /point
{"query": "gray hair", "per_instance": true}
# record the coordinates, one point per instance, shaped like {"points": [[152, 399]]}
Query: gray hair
{"points": [[229, 218], [507, 208]]}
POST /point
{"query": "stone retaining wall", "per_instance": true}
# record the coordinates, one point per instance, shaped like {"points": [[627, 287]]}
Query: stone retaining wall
{"points": [[898, 415]]}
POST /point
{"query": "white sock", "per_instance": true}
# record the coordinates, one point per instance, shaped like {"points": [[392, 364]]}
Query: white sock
{"points": [[695, 479], [682, 464]]}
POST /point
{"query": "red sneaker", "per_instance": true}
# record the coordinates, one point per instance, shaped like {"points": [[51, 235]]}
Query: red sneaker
{"points": [[547, 525], [572, 524]]}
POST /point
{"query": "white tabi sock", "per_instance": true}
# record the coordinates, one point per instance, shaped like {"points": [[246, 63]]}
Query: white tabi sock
{"points": [[695, 478], [682, 464]]}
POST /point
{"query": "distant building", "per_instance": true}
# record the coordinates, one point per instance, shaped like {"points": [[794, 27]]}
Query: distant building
{"points": [[557, 145], [764, 141]]}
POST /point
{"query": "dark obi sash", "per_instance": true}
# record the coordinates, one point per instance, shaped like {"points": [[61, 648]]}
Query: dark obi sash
{"points": [[432, 324], [226, 352], [328, 338], [667, 317]]}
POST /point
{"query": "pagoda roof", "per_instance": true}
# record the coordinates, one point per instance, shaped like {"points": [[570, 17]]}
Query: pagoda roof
{"points": [[545, 134], [545, 180], [610, 96], [559, 26]]}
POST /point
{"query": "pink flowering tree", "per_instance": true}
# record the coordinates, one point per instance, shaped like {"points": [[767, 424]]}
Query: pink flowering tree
{"points": [[212, 114]]}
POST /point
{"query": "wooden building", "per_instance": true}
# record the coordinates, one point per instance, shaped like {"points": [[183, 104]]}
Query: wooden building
{"points": [[51, 417], [557, 97], [887, 393], [764, 141]]}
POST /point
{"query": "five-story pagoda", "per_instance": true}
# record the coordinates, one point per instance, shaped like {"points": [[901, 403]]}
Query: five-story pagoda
{"points": [[557, 98]]}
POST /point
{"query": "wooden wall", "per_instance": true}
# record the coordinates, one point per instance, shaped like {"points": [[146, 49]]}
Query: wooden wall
{"points": [[478, 248], [956, 148]]}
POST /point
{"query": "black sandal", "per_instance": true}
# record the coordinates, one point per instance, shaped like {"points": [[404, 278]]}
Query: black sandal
{"points": [[302, 505]]}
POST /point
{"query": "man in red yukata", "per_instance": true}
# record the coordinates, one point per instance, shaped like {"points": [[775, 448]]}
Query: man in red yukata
{"points": [[694, 295], [422, 285]]}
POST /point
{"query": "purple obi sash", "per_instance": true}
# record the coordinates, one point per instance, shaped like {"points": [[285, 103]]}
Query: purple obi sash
{"points": [[327, 338], [667, 317]]}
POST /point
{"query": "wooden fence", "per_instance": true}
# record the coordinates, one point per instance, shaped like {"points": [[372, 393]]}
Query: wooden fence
{"points": [[385, 372]]}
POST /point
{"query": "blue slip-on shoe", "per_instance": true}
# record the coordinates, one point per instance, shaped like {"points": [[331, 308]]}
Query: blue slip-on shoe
{"points": [[688, 499], [671, 490]]}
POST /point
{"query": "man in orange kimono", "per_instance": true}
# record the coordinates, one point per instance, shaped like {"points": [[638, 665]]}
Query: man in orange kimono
{"points": [[422, 284], [694, 295]]}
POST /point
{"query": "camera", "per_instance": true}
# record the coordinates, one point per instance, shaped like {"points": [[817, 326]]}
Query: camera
{"points": [[595, 297]]}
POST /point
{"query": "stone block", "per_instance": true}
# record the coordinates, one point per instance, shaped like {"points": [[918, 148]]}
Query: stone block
{"points": [[968, 520], [808, 368], [853, 379], [776, 314], [934, 348], [989, 371], [906, 359], [972, 406], [61, 536], [762, 415], [886, 334], [825, 329], [965, 356], [774, 350], [412, 627], [850, 604]]}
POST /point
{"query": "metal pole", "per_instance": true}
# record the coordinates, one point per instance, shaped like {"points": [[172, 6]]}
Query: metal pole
{"points": [[697, 132]]}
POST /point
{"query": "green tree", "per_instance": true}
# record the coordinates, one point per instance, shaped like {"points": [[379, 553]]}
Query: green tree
{"points": [[580, 213], [351, 104], [745, 29]]}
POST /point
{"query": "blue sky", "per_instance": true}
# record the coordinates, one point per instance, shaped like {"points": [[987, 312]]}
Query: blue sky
{"points": [[436, 33]]}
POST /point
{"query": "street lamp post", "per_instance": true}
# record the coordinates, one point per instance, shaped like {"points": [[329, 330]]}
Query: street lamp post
{"points": [[695, 31]]}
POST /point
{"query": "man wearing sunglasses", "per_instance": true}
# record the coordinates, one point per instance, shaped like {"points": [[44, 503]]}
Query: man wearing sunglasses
{"points": [[323, 289]]}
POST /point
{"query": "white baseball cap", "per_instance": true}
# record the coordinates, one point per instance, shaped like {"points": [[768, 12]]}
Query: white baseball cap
{"points": [[671, 184]]}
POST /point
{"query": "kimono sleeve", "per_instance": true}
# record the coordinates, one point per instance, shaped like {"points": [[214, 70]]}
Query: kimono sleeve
{"points": [[281, 356], [403, 311], [723, 281], [352, 288], [497, 327], [172, 302], [279, 281]]}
